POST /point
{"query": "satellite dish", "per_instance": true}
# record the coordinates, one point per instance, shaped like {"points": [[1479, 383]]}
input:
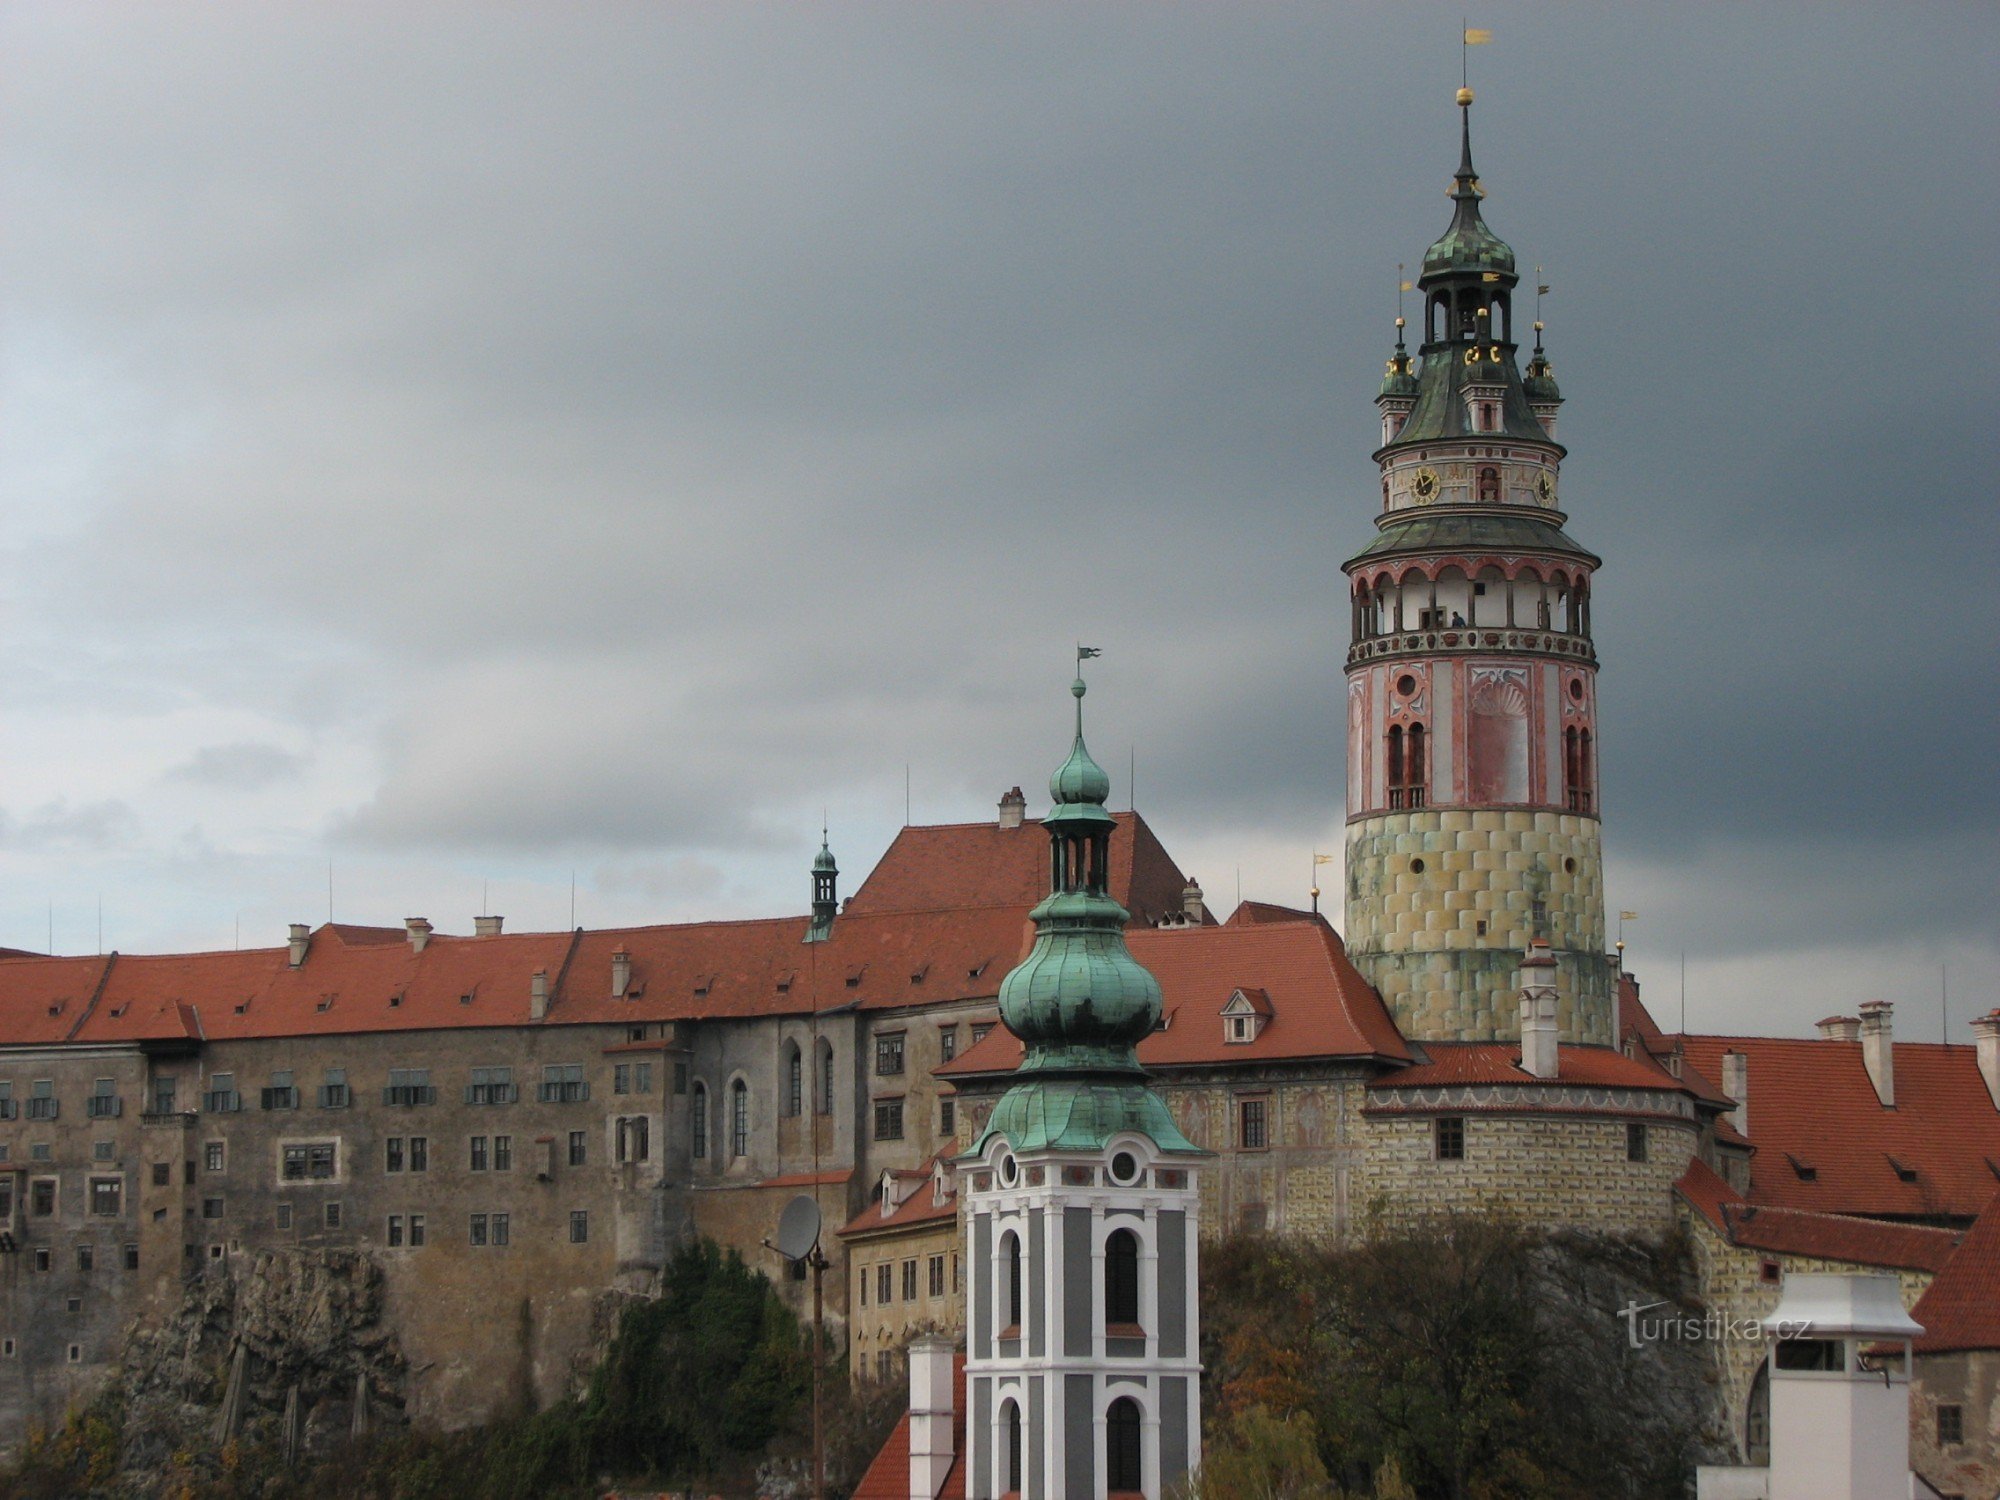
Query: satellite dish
{"points": [[798, 1228]]}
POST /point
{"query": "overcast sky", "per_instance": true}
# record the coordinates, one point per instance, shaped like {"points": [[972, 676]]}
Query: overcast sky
{"points": [[472, 446]]}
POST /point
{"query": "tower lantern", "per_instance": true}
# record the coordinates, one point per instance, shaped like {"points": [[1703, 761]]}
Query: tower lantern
{"points": [[1472, 812]]}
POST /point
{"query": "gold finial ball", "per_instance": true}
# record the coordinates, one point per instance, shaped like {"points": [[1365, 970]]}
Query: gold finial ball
{"points": [[1399, 322], [1465, 96], [1315, 891], [1538, 325]]}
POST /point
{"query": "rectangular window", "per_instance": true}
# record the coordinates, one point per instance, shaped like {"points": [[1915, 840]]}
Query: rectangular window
{"points": [[333, 1091], [222, 1098], [395, 1230], [579, 1226], [562, 1083], [86, 1257], [103, 1103], [503, 1153], [8, 1108], [41, 1257], [1950, 1426], [101, 1151], [492, 1086], [947, 1117], [420, 1153], [1255, 1132], [477, 1157], [885, 1285], [642, 1078], [165, 1087], [889, 1055], [1450, 1136], [211, 1208], [284, 1216], [392, 1154], [500, 1230], [979, 1030], [680, 1078], [42, 1104], [416, 1230], [478, 1231], [42, 1197], [41, 1151], [948, 1042], [909, 1281], [578, 1143], [107, 1196], [281, 1094], [1635, 1142], [409, 1086], [635, 1138], [937, 1275], [6, 1198], [309, 1161], [131, 1257], [330, 1215], [888, 1119], [214, 1156], [864, 1286]]}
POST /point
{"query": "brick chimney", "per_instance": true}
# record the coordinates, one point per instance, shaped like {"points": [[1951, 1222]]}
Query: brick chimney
{"points": [[621, 974], [418, 929], [1013, 809], [1840, 1029], [930, 1416], [1878, 1049], [1193, 906], [1986, 1030], [1538, 1011], [538, 995], [486, 926], [301, 936], [1736, 1084]]}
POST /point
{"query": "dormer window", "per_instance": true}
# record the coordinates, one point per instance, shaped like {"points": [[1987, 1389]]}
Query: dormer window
{"points": [[1245, 1016]]}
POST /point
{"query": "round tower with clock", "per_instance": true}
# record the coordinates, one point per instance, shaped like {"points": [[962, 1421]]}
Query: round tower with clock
{"points": [[1472, 816]]}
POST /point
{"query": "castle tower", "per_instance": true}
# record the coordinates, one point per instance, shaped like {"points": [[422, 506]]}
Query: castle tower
{"points": [[1082, 1366], [1472, 820]]}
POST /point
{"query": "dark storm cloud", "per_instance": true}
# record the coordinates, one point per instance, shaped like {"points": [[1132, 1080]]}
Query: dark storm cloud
{"points": [[656, 424]]}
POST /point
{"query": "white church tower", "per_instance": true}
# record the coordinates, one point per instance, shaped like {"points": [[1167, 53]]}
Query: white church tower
{"points": [[1083, 1375]]}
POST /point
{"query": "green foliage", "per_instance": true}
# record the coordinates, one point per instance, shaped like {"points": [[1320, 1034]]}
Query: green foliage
{"points": [[1256, 1454]]}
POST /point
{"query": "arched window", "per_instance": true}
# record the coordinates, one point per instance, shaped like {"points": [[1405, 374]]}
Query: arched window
{"points": [[698, 1122], [1414, 767], [795, 1079], [1010, 1420], [1121, 1278], [1586, 801], [739, 1118], [1757, 1417], [1395, 765], [826, 1078], [1489, 479], [1011, 1255], [1121, 1446]]}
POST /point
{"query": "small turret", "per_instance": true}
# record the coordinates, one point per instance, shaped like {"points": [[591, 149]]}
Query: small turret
{"points": [[1538, 384], [1399, 388], [826, 900]]}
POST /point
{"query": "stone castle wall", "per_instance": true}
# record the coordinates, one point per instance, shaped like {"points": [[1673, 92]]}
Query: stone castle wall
{"points": [[1420, 883]]}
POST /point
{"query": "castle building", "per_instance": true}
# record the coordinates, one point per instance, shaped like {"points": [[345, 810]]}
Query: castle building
{"points": [[1082, 1369], [1471, 682]]}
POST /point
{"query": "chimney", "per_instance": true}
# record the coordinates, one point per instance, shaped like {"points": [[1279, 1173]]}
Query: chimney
{"points": [[1192, 904], [1987, 1029], [1840, 1029], [1878, 1049], [419, 931], [486, 926], [538, 995], [301, 935], [1538, 1010], [930, 1416], [1013, 809], [1736, 1084], [621, 974]]}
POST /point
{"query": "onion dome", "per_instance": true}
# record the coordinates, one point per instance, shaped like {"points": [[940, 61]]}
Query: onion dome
{"points": [[823, 861], [1468, 247], [1080, 1002], [1538, 381], [1400, 381]]}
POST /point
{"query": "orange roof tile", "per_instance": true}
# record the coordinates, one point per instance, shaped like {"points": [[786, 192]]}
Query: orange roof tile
{"points": [[43, 999], [921, 1207], [1961, 1309], [1840, 1237], [888, 1477], [1248, 913], [1811, 1102], [1320, 1005]]}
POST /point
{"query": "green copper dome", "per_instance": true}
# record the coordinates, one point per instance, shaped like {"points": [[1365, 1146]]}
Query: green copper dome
{"points": [[1400, 379], [823, 861], [1080, 1002], [1468, 247], [1539, 381]]}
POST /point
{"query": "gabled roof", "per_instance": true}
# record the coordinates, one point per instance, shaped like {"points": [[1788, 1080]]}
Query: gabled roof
{"points": [[1811, 1102], [1447, 1063], [1252, 999], [888, 1478], [1321, 1006], [1961, 1309], [1839, 1237], [919, 1208], [982, 864]]}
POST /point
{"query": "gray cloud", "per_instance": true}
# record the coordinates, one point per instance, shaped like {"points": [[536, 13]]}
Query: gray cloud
{"points": [[60, 828], [239, 767]]}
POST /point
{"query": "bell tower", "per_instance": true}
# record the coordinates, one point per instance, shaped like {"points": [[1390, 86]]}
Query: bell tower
{"points": [[1472, 816]]}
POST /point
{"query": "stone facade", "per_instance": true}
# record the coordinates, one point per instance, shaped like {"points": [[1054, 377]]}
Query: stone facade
{"points": [[1971, 1383], [1442, 903]]}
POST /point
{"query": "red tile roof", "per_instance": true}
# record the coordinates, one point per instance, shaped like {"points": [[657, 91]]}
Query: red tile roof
{"points": [[983, 864], [921, 1207], [1961, 1309], [1500, 1062], [888, 1478], [1839, 1237], [43, 999], [1811, 1102], [1320, 1006], [1249, 913]]}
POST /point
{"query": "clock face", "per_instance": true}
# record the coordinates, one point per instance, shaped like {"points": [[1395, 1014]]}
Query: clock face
{"points": [[1425, 485], [1546, 488]]}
